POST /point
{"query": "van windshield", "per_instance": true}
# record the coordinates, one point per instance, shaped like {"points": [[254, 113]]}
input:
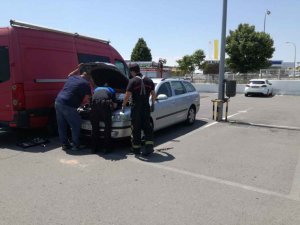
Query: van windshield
{"points": [[4, 64]]}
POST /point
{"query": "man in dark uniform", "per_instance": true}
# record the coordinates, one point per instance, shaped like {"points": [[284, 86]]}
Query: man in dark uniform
{"points": [[102, 104], [75, 91], [140, 88]]}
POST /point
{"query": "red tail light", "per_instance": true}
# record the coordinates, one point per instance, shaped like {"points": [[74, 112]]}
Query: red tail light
{"points": [[18, 100], [264, 86]]}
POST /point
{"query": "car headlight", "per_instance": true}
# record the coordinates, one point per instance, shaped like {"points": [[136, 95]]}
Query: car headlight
{"points": [[120, 117]]}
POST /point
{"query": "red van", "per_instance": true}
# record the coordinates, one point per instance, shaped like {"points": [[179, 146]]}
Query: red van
{"points": [[34, 64]]}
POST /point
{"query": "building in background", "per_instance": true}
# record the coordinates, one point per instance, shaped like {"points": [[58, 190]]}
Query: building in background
{"points": [[153, 69]]}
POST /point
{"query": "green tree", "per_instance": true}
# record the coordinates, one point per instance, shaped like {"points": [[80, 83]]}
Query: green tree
{"points": [[186, 64], [198, 58], [248, 50], [141, 52], [211, 68]]}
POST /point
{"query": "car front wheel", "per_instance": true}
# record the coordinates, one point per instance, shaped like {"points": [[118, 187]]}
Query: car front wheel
{"points": [[191, 116]]}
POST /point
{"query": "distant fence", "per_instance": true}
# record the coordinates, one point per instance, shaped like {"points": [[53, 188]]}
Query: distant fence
{"points": [[280, 87], [271, 74]]}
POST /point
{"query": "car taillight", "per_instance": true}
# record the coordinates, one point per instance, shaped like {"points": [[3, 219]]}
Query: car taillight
{"points": [[247, 85], [18, 97], [264, 86]]}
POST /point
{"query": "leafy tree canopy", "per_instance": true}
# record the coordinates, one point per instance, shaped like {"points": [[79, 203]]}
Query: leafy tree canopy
{"points": [[141, 52], [248, 50], [198, 58], [189, 63], [186, 64]]}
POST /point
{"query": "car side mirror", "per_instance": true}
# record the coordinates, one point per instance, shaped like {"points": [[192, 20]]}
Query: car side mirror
{"points": [[161, 97]]}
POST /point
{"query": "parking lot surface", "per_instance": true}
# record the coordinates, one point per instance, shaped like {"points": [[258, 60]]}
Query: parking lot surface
{"points": [[244, 171]]}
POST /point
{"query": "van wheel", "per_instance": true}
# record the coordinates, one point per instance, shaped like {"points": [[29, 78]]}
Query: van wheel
{"points": [[191, 117]]}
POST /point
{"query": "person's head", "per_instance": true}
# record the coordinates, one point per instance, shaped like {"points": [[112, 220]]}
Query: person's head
{"points": [[134, 69], [86, 76]]}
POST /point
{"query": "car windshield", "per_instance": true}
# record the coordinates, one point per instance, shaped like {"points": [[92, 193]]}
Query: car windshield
{"points": [[257, 82]]}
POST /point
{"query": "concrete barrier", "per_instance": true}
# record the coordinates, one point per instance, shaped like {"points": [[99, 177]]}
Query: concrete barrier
{"points": [[280, 87]]}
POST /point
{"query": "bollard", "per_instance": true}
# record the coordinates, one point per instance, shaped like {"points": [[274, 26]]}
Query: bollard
{"points": [[216, 103]]}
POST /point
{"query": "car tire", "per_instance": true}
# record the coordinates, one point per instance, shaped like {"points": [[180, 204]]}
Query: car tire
{"points": [[246, 94], [268, 94], [191, 116]]}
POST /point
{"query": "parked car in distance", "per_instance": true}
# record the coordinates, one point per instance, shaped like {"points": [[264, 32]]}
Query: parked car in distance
{"points": [[259, 86], [177, 101]]}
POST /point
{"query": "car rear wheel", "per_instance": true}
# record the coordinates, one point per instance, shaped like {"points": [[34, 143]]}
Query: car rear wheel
{"points": [[191, 116], [267, 94]]}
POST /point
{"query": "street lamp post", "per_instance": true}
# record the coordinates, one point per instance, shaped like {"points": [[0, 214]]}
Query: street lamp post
{"points": [[288, 42], [222, 62], [266, 13]]}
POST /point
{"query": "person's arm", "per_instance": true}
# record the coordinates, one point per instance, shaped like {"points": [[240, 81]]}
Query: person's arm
{"points": [[86, 100], [76, 71], [126, 98]]}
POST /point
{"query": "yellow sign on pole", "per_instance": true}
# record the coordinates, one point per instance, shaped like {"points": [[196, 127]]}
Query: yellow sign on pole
{"points": [[216, 49]]}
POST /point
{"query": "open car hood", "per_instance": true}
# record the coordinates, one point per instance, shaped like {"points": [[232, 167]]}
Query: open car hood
{"points": [[102, 73]]}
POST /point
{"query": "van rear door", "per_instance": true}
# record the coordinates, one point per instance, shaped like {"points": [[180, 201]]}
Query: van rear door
{"points": [[6, 109]]}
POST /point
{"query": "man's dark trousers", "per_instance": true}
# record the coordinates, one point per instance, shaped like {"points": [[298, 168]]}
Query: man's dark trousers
{"points": [[101, 111], [140, 120]]}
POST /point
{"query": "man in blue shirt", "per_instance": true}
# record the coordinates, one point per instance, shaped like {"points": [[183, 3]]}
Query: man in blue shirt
{"points": [[103, 103], [75, 91]]}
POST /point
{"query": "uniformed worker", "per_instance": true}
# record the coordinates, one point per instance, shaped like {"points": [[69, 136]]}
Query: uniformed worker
{"points": [[102, 104], [140, 88]]}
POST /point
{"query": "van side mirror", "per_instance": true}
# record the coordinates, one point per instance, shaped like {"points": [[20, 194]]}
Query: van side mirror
{"points": [[161, 97]]}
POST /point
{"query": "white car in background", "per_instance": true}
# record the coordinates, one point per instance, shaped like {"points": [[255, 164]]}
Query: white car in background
{"points": [[259, 86]]}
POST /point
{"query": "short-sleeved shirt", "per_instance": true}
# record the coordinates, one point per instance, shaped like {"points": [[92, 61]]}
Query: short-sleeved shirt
{"points": [[134, 86], [73, 92], [104, 93]]}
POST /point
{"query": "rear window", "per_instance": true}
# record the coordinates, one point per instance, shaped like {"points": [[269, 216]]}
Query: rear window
{"points": [[178, 87], [4, 64], [189, 87], [85, 58], [257, 82]]}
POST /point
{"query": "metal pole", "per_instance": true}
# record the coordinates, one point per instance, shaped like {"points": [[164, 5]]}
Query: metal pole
{"points": [[266, 13], [295, 53], [222, 62], [265, 23]]}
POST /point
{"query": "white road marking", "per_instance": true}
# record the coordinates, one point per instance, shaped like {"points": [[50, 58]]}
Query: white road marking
{"points": [[164, 145], [295, 189], [293, 195], [217, 180]]}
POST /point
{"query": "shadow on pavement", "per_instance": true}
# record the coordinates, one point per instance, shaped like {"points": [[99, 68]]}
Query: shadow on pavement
{"points": [[120, 149], [173, 132]]}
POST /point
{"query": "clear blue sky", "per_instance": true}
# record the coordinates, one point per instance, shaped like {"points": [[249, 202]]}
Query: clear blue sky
{"points": [[171, 28]]}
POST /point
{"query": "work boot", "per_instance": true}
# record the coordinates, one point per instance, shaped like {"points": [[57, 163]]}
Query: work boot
{"points": [[148, 150], [78, 147], [136, 151], [65, 147]]}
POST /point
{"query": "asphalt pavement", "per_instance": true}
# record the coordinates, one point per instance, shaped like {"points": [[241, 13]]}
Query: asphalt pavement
{"points": [[240, 172]]}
